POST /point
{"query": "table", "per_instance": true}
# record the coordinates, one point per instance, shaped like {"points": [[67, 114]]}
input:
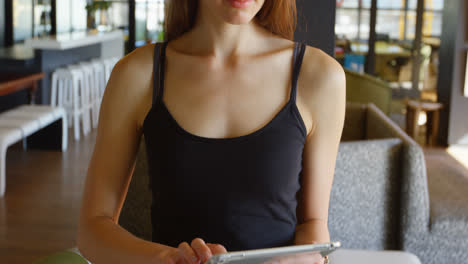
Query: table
{"points": [[381, 49], [432, 109], [17, 55], [390, 57], [10, 83]]}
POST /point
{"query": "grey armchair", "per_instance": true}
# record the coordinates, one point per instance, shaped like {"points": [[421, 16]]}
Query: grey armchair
{"points": [[380, 197], [366, 207]]}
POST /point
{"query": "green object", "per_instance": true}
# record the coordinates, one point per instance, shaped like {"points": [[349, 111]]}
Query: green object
{"points": [[96, 5], [161, 36], [364, 88], [63, 257]]}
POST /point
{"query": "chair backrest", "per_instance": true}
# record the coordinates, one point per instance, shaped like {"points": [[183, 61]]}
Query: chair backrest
{"points": [[364, 202], [135, 215], [355, 122], [364, 88]]}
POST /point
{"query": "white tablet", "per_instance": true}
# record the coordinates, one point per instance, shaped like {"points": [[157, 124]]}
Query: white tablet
{"points": [[259, 256]]}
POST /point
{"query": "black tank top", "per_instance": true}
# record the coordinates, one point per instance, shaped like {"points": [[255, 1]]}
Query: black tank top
{"points": [[239, 192]]}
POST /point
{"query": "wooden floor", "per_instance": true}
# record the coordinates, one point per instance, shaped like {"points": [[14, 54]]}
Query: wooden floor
{"points": [[454, 160], [39, 213]]}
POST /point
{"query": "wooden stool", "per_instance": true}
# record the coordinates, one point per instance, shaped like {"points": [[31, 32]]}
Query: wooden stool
{"points": [[432, 109]]}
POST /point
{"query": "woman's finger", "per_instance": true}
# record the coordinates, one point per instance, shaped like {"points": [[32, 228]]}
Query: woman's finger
{"points": [[216, 248], [187, 253], [201, 249]]}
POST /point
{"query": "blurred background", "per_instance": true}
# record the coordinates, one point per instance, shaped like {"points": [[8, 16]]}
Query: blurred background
{"points": [[406, 74]]}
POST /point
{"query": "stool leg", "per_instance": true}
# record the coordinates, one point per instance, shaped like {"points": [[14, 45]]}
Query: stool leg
{"points": [[435, 126], [60, 92], [69, 101], [85, 106], [102, 87], [3, 150], [432, 127], [53, 93], [76, 112], [412, 122], [90, 101], [95, 100], [103, 84], [64, 132]]}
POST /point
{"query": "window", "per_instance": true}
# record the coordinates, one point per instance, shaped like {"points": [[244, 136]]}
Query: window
{"points": [[71, 15], [149, 16], [22, 20], [395, 18]]}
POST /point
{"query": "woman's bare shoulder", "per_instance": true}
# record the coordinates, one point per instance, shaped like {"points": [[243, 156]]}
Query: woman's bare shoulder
{"points": [[136, 67], [321, 74], [130, 83], [322, 86], [321, 66]]}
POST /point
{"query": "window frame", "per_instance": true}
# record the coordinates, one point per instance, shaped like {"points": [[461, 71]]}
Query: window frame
{"points": [[406, 10]]}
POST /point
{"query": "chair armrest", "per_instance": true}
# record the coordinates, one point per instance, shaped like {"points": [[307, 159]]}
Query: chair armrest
{"points": [[70, 256], [364, 88], [364, 202], [380, 126], [415, 208], [352, 256], [355, 122]]}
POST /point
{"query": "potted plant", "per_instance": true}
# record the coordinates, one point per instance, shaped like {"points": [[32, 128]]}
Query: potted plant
{"points": [[98, 16]]}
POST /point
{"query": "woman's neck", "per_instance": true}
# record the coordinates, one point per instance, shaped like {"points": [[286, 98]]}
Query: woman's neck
{"points": [[220, 40]]}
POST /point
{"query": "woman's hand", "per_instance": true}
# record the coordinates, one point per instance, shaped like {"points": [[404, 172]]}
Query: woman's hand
{"points": [[198, 252], [302, 258]]}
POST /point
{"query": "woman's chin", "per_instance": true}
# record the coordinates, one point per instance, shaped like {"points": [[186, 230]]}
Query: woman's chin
{"points": [[243, 14], [238, 18]]}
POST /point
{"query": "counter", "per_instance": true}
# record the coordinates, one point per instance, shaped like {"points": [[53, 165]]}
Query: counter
{"points": [[111, 42], [72, 40], [17, 54], [46, 54]]}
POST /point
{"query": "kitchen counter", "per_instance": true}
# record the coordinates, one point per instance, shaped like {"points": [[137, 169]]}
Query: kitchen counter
{"points": [[66, 41], [46, 54]]}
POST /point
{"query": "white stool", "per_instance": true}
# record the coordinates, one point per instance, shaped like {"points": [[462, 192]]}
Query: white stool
{"points": [[93, 89], [99, 87], [30, 118], [109, 65], [100, 75], [8, 136], [70, 90], [23, 121]]}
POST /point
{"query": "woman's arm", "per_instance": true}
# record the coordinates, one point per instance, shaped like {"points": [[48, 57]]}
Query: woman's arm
{"points": [[100, 239], [324, 91]]}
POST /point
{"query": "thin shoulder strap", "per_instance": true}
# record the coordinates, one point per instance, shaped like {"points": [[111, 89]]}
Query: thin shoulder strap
{"points": [[158, 70], [299, 49]]}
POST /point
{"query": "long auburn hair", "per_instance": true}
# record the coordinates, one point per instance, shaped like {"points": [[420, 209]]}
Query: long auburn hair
{"points": [[277, 16]]}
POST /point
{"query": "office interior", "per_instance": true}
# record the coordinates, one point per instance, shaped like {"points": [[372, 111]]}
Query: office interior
{"points": [[406, 68]]}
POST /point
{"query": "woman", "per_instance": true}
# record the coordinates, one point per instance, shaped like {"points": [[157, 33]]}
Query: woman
{"points": [[241, 125]]}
